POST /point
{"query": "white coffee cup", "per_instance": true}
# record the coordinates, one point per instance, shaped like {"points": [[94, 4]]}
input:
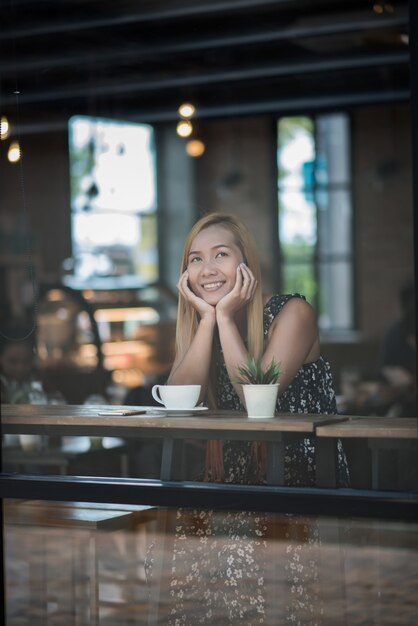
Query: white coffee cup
{"points": [[176, 396]]}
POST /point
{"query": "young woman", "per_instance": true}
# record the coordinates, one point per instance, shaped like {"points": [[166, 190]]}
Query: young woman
{"points": [[222, 319]]}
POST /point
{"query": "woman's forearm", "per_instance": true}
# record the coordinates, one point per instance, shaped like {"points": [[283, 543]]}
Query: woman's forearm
{"points": [[193, 368], [234, 350]]}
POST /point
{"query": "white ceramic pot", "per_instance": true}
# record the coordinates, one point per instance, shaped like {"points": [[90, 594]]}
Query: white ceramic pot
{"points": [[260, 400]]}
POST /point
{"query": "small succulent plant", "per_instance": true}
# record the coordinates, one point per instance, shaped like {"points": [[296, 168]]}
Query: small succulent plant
{"points": [[251, 373]]}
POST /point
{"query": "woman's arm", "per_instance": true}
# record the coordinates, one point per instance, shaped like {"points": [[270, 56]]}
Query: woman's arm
{"points": [[292, 340], [193, 367], [234, 351]]}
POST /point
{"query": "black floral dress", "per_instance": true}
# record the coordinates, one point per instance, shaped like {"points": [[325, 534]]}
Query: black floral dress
{"points": [[219, 559], [311, 391]]}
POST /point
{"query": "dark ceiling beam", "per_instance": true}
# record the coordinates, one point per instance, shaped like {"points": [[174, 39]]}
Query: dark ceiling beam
{"points": [[286, 106], [179, 12], [279, 107], [283, 34], [72, 92], [194, 45]]}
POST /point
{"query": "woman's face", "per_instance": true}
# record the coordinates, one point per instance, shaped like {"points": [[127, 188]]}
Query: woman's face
{"points": [[212, 264]]}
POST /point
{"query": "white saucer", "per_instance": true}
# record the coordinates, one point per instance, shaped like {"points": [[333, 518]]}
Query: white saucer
{"points": [[163, 410]]}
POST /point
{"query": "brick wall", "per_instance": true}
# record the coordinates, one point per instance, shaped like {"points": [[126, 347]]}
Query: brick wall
{"points": [[384, 213], [237, 174]]}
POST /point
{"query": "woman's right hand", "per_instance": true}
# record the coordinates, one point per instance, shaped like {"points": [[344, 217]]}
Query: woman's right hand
{"points": [[204, 309]]}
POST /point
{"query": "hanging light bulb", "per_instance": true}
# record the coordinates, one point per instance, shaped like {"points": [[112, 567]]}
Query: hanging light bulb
{"points": [[195, 148], [4, 127], [186, 110], [14, 153], [184, 128]]}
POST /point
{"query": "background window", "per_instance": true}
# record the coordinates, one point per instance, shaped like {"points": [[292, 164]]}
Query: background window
{"points": [[113, 203], [315, 215]]}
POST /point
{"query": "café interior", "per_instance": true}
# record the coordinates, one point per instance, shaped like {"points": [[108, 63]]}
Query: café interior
{"points": [[122, 124]]}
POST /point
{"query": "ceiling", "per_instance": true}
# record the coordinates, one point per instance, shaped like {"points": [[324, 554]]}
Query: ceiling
{"points": [[140, 59]]}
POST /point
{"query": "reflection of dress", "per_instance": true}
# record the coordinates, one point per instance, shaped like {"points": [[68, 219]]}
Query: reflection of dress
{"points": [[219, 558]]}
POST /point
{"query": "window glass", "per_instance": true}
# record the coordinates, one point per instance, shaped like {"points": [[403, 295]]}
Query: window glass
{"points": [[113, 201], [113, 562], [299, 277], [315, 215], [112, 165], [334, 221], [335, 308]]}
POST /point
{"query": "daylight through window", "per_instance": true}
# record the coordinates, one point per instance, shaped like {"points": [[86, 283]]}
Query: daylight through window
{"points": [[113, 203], [315, 215]]}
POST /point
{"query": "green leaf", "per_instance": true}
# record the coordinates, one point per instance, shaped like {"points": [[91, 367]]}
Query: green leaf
{"points": [[251, 373]]}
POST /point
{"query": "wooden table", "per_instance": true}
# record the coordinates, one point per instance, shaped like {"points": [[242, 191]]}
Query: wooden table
{"points": [[173, 430], [381, 433]]}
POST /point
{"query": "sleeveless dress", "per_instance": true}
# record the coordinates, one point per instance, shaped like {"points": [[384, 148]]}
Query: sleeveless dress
{"points": [[220, 558], [311, 391]]}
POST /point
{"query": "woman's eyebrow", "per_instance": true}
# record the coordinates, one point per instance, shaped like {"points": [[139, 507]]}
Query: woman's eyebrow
{"points": [[219, 245]]}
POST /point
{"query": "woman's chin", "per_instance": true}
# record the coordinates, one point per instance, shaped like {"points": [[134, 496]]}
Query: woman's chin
{"points": [[212, 298], [212, 301]]}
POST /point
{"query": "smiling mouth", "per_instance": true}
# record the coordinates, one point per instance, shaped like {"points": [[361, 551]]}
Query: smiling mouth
{"points": [[213, 286]]}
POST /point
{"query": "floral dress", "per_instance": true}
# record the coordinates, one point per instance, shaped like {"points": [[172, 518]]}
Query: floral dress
{"points": [[311, 391], [219, 559]]}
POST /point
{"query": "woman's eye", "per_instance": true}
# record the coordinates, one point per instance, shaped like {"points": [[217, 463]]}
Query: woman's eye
{"points": [[195, 258], [221, 254]]}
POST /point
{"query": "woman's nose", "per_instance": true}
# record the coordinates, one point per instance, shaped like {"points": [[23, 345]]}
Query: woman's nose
{"points": [[208, 267]]}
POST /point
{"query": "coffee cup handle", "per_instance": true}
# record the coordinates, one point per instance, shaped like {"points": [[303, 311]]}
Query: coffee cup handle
{"points": [[155, 395]]}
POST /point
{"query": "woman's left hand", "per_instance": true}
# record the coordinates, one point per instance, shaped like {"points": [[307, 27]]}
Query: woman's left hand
{"points": [[241, 294]]}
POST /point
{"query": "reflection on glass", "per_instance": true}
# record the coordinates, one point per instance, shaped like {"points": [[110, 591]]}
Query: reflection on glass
{"points": [[147, 563]]}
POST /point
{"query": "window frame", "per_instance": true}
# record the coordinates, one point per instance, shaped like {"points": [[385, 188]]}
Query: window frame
{"points": [[322, 259], [402, 506]]}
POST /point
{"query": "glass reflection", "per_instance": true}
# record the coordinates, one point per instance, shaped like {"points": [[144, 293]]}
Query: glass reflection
{"points": [[127, 564]]}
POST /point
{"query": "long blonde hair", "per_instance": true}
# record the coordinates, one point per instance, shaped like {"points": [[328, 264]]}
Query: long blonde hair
{"points": [[187, 318]]}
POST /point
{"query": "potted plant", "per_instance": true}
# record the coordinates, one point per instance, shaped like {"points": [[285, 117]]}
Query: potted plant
{"points": [[260, 387]]}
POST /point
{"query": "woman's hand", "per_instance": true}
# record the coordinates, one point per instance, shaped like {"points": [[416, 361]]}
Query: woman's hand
{"points": [[205, 310], [241, 294]]}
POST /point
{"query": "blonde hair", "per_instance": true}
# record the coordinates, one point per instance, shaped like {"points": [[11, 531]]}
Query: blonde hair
{"points": [[187, 318]]}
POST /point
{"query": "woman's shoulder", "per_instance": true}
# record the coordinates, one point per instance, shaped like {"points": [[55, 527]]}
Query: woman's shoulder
{"points": [[274, 303]]}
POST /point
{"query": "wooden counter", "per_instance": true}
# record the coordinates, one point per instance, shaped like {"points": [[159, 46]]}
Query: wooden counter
{"points": [[371, 428], [82, 420], [382, 434]]}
